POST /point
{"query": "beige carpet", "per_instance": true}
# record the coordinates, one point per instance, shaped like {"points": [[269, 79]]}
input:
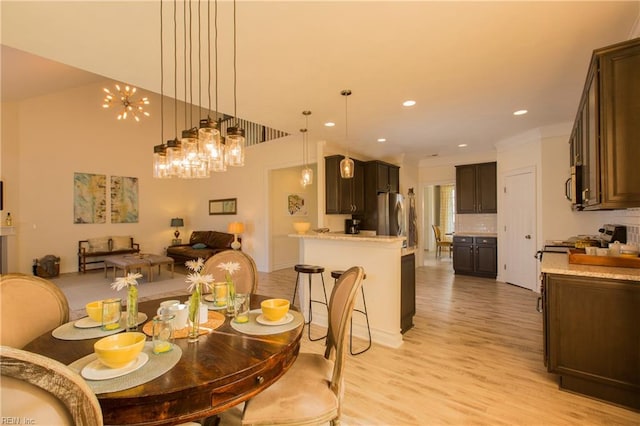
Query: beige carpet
{"points": [[83, 288]]}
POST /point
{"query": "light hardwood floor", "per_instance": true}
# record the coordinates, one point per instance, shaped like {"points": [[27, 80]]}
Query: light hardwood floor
{"points": [[474, 356]]}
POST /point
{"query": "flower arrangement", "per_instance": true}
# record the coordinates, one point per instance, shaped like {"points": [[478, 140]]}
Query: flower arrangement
{"points": [[230, 268], [130, 281], [198, 284]]}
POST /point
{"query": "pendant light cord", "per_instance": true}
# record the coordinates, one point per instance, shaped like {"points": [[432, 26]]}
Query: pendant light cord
{"points": [[235, 96], [161, 80], [175, 67]]}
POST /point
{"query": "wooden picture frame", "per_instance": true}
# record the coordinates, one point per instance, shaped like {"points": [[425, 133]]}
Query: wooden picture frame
{"points": [[223, 206]]}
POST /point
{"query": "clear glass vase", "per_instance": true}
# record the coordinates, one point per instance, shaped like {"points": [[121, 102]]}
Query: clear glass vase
{"points": [[231, 298], [132, 308], [194, 315]]}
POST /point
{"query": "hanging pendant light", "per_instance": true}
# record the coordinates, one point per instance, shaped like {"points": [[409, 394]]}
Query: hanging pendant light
{"points": [[160, 167], [209, 132], [307, 172], [346, 165], [235, 142]]}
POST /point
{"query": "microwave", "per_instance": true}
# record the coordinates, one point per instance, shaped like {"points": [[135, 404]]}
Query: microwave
{"points": [[573, 188]]}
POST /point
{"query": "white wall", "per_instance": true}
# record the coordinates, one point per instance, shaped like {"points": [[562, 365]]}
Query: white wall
{"points": [[46, 139]]}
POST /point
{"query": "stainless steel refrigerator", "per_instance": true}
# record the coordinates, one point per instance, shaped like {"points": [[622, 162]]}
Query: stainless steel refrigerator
{"points": [[391, 214]]}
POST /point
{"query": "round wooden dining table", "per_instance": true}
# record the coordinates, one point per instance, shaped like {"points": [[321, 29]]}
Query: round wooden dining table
{"points": [[223, 369]]}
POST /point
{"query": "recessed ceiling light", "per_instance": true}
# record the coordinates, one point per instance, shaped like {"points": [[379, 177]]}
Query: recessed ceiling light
{"points": [[408, 103], [520, 112], [329, 124], [381, 140], [462, 145]]}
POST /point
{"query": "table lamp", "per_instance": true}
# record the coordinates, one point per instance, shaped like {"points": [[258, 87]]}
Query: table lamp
{"points": [[236, 228], [177, 222]]}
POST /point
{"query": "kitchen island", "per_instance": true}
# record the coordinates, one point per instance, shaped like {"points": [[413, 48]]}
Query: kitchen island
{"points": [[381, 257], [590, 324]]}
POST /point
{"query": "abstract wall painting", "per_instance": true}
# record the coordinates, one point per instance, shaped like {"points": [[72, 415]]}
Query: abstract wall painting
{"points": [[124, 199], [296, 206], [89, 198]]}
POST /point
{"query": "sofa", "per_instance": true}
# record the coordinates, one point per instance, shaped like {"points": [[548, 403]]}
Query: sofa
{"points": [[202, 244]]}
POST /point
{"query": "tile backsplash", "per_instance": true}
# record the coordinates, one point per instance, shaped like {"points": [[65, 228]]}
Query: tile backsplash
{"points": [[631, 219], [477, 223]]}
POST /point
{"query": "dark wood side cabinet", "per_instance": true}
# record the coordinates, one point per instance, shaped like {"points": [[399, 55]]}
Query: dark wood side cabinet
{"points": [[591, 336], [343, 196], [475, 256], [407, 291], [604, 139], [476, 190]]}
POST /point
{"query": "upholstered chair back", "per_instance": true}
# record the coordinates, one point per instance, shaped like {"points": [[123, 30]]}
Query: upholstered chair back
{"points": [[29, 307]]}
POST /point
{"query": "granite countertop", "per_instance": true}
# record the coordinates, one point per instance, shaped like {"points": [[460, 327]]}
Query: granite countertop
{"points": [[475, 234], [558, 263], [350, 237]]}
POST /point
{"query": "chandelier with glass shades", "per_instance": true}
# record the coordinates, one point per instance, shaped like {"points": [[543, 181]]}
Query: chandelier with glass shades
{"points": [[201, 149]]}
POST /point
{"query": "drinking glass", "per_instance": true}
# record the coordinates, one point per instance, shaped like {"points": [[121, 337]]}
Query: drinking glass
{"points": [[242, 307], [162, 335], [111, 309], [220, 294]]}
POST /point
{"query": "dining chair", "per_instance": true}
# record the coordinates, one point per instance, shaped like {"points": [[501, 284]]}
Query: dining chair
{"points": [[311, 391], [440, 242], [29, 306], [44, 390], [245, 279]]}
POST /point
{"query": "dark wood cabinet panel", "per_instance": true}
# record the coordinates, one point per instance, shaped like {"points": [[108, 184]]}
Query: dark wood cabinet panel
{"points": [[343, 196], [475, 256], [407, 291], [591, 336], [379, 177], [476, 190], [604, 139]]}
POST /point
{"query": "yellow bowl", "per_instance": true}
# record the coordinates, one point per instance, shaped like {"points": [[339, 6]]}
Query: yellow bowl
{"points": [[274, 309], [94, 310], [301, 227], [118, 350]]}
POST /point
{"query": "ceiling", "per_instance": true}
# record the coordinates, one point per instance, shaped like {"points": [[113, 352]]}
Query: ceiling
{"points": [[468, 65]]}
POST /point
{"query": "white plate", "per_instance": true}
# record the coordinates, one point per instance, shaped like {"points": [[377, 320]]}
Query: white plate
{"points": [[86, 322], [96, 370], [284, 320], [211, 305]]}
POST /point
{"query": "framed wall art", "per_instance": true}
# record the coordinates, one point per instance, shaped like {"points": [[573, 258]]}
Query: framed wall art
{"points": [[296, 205], [124, 199], [223, 206], [89, 198]]}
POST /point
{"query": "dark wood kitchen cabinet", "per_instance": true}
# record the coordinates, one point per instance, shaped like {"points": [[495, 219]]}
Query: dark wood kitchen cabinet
{"points": [[381, 177], [343, 196], [407, 291], [604, 139], [475, 256], [476, 190], [591, 336]]}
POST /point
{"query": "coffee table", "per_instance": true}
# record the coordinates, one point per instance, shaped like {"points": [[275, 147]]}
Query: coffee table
{"points": [[129, 262]]}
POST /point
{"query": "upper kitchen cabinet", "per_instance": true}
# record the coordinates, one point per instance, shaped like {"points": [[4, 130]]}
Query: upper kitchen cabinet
{"points": [[476, 188], [604, 140], [381, 177], [343, 196]]}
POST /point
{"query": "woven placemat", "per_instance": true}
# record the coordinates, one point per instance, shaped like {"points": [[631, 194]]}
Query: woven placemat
{"points": [[157, 365], [69, 331], [215, 320], [255, 328]]}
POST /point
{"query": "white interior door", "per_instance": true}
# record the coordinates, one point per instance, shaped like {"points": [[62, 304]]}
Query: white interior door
{"points": [[520, 233]]}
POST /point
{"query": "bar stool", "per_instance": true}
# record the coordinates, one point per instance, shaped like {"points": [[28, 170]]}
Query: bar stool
{"points": [[310, 270], [335, 275]]}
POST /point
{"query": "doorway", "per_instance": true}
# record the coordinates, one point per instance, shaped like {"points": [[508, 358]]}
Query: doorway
{"points": [[439, 209], [520, 231]]}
